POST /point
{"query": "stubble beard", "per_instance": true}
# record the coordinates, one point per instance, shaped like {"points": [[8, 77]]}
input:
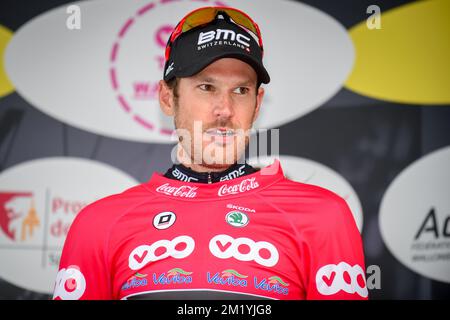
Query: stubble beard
{"points": [[190, 148]]}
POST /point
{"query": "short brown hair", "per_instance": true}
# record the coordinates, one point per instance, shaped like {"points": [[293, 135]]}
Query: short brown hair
{"points": [[173, 85]]}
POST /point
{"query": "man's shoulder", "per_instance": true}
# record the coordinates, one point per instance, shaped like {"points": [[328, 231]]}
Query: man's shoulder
{"points": [[302, 189], [294, 197]]}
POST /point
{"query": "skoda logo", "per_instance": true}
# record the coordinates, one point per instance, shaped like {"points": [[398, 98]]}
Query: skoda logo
{"points": [[237, 219]]}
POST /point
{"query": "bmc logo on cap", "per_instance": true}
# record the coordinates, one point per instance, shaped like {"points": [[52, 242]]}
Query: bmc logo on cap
{"points": [[222, 34], [332, 278]]}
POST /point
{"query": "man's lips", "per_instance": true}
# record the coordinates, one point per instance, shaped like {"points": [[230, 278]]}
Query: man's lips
{"points": [[220, 135], [221, 131]]}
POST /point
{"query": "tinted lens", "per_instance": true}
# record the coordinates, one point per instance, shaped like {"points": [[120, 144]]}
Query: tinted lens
{"points": [[207, 15]]}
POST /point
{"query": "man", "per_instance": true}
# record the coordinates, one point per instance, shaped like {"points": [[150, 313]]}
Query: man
{"points": [[212, 227]]}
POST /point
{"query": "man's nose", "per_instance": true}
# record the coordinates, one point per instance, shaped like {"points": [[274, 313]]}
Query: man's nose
{"points": [[224, 107]]}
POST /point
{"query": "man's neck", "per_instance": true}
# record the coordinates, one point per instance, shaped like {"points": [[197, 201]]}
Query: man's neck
{"points": [[200, 168], [188, 174]]}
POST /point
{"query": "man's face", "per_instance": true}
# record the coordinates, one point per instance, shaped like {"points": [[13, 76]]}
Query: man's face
{"points": [[214, 112]]}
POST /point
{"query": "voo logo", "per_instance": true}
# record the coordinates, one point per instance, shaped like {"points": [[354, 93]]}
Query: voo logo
{"points": [[70, 284], [332, 278], [144, 254], [222, 34], [224, 247]]}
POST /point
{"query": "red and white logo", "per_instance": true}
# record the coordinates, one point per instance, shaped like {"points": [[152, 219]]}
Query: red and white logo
{"points": [[18, 216], [243, 186], [70, 284], [224, 247], [332, 278], [183, 191], [144, 254]]}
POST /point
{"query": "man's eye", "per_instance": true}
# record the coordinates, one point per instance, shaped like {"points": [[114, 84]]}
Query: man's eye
{"points": [[241, 90], [206, 87]]}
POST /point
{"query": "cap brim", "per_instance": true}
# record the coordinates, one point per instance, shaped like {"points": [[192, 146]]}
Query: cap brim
{"points": [[196, 67]]}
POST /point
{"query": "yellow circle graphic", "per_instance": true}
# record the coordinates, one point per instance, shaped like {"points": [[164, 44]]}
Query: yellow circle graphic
{"points": [[6, 86], [407, 59]]}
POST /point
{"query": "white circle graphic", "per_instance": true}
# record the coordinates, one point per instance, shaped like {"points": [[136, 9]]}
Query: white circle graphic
{"points": [[415, 216], [38, 201], [112, 88]]}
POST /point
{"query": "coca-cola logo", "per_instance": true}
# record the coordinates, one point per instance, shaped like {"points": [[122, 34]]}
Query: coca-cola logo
{"points": [[243, 186], [183, 191]]}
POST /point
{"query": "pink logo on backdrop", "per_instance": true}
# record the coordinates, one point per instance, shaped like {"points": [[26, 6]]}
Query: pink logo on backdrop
{"points": [[134, 95]]}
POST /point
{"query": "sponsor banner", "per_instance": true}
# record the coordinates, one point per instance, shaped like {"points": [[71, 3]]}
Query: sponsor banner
{"points": [[38, 201], [415, 216], [311, 172], [103, 76]]}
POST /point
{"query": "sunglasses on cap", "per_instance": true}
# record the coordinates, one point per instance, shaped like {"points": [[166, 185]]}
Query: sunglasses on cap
{"points": [[206, 15]]}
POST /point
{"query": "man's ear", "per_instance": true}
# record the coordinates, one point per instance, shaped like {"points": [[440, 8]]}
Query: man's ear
{"points": [[259, 100], [166, 101]]}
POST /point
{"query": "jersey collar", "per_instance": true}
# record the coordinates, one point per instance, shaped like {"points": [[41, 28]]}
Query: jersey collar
{"points": [[254, 182], [183, 173]]}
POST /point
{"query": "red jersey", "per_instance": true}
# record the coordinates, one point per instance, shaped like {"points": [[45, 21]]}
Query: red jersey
{"points": [[256, 236]]}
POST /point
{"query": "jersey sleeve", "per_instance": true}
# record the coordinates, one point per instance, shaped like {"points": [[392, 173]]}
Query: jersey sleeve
{"points": [[83, 270], [334, 258]]}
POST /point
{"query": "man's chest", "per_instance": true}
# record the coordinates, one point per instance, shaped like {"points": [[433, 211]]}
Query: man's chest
{"points": [[224, 249]]}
